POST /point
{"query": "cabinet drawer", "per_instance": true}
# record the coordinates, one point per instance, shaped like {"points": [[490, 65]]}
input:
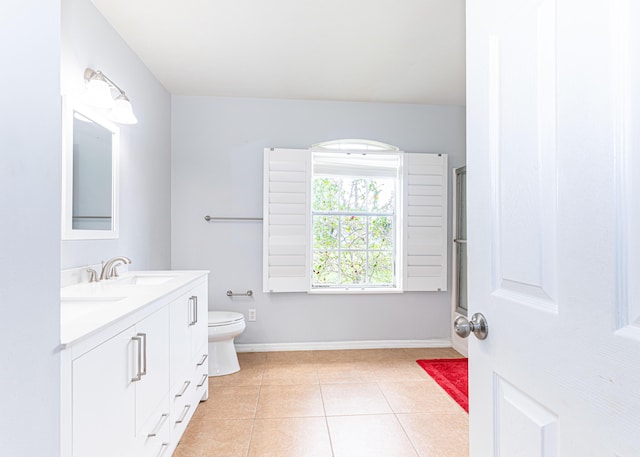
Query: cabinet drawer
{"points": [[181, 415], [155, 436], [201, 374], [186, 396], [182, 407]]}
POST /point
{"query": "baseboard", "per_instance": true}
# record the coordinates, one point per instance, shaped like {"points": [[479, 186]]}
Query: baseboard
{"points": [[336, 345], [460, 347]]}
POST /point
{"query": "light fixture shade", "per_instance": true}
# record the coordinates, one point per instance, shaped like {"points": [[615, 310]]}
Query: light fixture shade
{"points": [[122, 111], [98, 93]]}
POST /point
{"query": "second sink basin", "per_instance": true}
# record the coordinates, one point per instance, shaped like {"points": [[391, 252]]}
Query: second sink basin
{"points": [[141, 280]]}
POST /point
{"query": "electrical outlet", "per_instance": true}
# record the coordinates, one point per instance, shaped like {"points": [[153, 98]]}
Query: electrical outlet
{"points": [[252, 315]]}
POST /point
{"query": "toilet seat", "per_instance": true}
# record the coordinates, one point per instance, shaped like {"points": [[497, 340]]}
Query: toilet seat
{"points": [[220, 318]]}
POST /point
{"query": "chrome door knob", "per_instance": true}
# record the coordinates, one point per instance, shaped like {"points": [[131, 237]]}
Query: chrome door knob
{"points": [[477, 325]]}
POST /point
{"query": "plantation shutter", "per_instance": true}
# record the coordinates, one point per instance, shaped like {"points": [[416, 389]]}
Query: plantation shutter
{"points": [[425, 222], [286, 233]]}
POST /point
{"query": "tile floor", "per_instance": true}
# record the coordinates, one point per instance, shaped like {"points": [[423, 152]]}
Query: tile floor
{"points": [[352, 403]]}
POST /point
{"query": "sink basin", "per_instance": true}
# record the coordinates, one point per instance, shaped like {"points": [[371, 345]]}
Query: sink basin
{"points": [[73, 307], [140, 280]]}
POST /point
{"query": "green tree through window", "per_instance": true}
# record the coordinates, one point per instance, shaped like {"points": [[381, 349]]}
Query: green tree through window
{"points": [[353, 231]]}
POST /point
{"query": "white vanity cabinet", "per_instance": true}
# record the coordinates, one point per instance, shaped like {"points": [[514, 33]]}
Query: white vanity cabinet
{"points": [[120, 382]]}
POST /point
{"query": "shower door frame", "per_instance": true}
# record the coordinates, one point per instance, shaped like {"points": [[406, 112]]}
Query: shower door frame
{"points": [[459, 344]]}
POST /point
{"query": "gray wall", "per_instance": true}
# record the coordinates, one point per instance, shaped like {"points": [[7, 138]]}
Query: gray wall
{"points": [[217, 149], [30, 227], [88, 40]]}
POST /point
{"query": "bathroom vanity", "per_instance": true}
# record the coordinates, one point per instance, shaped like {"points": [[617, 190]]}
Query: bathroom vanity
{"points": [[134, 362]]}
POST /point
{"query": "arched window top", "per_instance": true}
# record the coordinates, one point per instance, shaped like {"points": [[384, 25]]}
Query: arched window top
{"points": [[355, 145]]}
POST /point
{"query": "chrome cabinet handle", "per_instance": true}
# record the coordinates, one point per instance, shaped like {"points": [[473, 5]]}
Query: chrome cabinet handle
{"points": [[192, 312], [157, 428], [195, 309], [144, 352], [138, 375], [185, 411], [477, 325], [204, 379], [163, 449], [184, 389], [203, 360]]}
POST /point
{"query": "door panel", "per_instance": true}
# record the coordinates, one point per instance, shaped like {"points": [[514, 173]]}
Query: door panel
{"points": [[626, 74], [200, 330], [533, 424], [180, 315], [553, 248], [152, 389], [104, 423], [523, 154]]}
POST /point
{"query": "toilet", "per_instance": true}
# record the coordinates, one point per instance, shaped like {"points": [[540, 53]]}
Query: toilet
{"points": [[224, 326]]}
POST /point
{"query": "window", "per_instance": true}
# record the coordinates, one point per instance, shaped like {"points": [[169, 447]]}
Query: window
{"points": [[350, 220], [354, 218], [354, 145]]}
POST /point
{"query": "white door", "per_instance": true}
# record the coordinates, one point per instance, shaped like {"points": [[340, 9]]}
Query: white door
{"points": [[553, 168]]}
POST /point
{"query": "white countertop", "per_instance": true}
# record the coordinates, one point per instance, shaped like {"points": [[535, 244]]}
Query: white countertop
{"points": [[87, 308]]}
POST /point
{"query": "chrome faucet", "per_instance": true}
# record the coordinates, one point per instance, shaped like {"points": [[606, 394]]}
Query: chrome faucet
{"points": [[109, 269]]}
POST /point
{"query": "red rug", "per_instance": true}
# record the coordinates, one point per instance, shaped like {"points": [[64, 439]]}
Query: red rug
{"points": [[452, 375]]}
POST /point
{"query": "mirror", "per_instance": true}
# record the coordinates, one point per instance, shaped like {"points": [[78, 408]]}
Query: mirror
{"points": [[89, 175]]}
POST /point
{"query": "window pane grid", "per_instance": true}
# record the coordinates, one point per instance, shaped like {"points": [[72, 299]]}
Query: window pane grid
{"points": [[354, 245]]}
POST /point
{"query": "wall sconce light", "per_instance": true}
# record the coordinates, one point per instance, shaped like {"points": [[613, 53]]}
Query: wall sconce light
{"points": [[98, 94]]}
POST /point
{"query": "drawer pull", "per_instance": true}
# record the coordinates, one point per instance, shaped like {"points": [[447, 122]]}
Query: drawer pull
{"points": [[157, 428], [184, 389], [163, 449], [204, 380], [203, 360], [185, 411]]}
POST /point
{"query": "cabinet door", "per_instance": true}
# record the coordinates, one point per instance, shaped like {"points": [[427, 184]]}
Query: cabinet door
{"points": [[153, 387], [104, 398], [200, 329], [181, 317]]}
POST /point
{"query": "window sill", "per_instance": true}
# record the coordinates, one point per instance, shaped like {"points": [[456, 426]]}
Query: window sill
{"points": [[336, 291]]}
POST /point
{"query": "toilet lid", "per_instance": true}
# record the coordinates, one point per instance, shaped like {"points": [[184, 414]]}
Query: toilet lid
{"points": [[217, 318]]}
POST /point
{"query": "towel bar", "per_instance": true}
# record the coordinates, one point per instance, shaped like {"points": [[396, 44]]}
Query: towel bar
{"points": [[212, 218], [231, 293]]}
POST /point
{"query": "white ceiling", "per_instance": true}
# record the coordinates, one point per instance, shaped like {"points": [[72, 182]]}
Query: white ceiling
{"points": [[405, 51]]}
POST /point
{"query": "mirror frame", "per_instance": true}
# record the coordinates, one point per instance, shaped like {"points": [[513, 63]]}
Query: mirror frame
{"points": [[68, 232]]}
